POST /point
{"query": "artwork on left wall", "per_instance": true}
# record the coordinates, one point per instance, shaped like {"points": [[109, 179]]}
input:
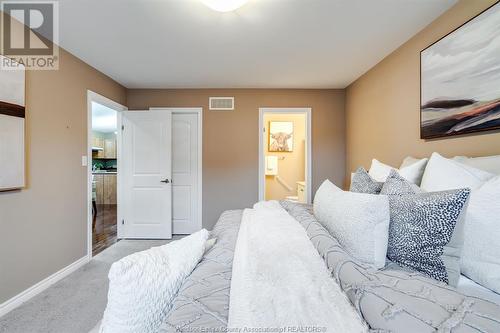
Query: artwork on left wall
{"points": [[460, 79], [12, 123]]}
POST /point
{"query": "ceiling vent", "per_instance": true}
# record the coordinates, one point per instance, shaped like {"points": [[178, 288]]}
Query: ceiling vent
{"points": [[221, 103]]}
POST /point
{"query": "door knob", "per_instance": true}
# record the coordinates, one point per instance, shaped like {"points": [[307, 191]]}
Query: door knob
{"points": [[166, 181]]}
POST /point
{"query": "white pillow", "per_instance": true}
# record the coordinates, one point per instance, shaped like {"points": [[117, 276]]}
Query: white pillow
{"points": [[409, 160], [481, 250], [380, 171], [487, 163], [480, 259], [360, 222], [443, 174], [412, 170], [143, 285]]}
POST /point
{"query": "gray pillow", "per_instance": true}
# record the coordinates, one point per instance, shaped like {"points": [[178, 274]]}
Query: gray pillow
{"points": [[362, 182], [426, 229]]}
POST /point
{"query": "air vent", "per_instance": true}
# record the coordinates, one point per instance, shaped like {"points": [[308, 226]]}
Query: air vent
{"points": [[222, 103]]}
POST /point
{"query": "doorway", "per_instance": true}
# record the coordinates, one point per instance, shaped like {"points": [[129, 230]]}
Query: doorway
{"points": [[285, 154], [103, 166], [159, 172], [162, 180], [187, 138]]}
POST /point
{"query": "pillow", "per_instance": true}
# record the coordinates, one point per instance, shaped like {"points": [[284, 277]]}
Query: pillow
{"points": [[409, 160], [359, 221], [489, 164], [445, 174], [426, 229], [361, 182], [451, 250], [411, 169], [395, 184], [143, 285], [481, 250]]}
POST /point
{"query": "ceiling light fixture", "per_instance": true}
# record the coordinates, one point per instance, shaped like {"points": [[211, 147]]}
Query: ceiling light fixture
{"points": [[224, 5]]}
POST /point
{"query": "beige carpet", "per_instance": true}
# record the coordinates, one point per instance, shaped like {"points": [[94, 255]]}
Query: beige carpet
{"points": [[76, 303]]}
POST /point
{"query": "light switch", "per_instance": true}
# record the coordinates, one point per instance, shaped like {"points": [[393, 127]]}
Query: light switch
{"points": [[84, 161]]}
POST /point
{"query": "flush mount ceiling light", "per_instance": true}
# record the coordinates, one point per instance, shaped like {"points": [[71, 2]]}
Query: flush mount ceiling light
{"points": [[224, 5]]}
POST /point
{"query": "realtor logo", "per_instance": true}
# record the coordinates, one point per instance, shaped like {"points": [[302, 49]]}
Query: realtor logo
{"points": [[30, 35]]}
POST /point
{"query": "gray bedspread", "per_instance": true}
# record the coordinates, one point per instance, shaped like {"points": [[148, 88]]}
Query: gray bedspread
{"points": [[202, 303], [396, 300], [390, 300]]}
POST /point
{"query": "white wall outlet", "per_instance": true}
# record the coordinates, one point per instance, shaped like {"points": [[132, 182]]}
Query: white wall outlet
{"points": [[84, 161]]}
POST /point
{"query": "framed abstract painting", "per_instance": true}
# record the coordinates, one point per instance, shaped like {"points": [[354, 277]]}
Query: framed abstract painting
{"points": [[12, 123], [460, 79]]}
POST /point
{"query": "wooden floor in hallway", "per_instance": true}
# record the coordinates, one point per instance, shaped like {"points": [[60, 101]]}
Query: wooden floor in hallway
{"points": [[104, 233]]}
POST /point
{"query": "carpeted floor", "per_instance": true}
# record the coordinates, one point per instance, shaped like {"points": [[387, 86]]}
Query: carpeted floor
{"points": [[76, 303]]}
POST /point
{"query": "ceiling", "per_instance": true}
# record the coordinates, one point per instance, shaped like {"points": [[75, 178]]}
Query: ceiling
{"points": [[104, 119], [264, 44]]}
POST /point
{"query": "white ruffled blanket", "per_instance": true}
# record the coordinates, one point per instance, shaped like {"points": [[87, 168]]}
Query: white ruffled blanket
{"points": [[143, 285], [279, 281]]}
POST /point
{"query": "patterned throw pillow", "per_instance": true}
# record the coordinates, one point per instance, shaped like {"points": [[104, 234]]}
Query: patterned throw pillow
{"points": [[426, 229], [362, 182]]}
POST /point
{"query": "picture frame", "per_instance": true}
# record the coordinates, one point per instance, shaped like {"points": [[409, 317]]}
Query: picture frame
{"points": [[280, 136], [460, 79], [12, 128]]}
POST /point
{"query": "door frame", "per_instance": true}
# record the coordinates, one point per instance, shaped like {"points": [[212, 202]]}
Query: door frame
{"points": [[262, 178], [199, 112], [95, 97]]}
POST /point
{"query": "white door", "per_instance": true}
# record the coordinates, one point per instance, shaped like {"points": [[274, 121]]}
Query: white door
{"points": [[185, 152], [146, 175]]}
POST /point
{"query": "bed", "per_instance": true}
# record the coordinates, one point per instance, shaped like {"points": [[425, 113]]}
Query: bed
{"points": [[392, 299], [203, 299]]}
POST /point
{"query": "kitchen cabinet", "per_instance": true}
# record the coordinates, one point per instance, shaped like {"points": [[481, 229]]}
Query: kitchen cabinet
{"points": [[105, 189], [99, 182], [98, 143], [110, 148], [110, 189], [107, 145]]}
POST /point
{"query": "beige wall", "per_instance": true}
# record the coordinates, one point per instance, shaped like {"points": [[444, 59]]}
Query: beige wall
{"points": [[230, 139], [43, 228], [382, 107], [291, 165]]}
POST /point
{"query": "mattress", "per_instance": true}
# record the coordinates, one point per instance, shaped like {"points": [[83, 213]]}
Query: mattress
{"points": [[392, 299]]}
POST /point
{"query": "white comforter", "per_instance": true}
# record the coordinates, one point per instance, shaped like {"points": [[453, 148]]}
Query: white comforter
{"points": [[280, 282]]}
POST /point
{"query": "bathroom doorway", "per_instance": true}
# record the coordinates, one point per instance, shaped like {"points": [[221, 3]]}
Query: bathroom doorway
{"points": [[285, 154]]}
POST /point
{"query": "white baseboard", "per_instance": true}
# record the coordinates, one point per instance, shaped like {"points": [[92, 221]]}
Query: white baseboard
{"points": [[34, 290]]}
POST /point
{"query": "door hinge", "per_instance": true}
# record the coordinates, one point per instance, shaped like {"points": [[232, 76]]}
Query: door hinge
{"points": [[264, 130], [123, 127], [123, 222]]}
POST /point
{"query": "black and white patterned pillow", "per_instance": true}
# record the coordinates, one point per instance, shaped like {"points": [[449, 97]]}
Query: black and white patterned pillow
{"points": [[423, 225], [362, 182]]}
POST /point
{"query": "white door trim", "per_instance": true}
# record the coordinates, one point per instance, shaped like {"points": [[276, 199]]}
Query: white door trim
{"points": [[262, 179], [95, 97], [199, 112]]}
